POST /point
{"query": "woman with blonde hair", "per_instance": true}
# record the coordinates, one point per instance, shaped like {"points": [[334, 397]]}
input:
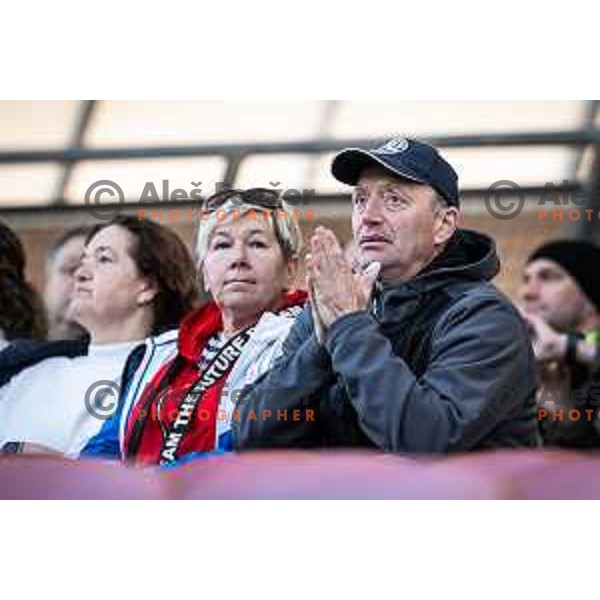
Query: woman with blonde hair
{"points": [[247, 252]]}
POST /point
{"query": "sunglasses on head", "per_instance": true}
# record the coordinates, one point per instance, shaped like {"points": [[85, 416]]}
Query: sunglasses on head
{"points": [[262, 197]]}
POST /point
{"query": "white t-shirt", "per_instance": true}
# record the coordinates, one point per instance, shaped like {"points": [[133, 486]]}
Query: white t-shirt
{"points": [[45, 404]]}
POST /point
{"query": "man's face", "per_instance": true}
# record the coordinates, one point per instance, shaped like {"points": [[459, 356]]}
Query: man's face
{"points": [[58, 291], [550, 292], [398, 223]]}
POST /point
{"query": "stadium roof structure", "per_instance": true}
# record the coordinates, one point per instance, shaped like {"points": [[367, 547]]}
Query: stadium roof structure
{"points": [[52, 151]]}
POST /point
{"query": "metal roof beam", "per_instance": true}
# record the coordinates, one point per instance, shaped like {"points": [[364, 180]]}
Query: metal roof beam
{"points": [[576, 138]]}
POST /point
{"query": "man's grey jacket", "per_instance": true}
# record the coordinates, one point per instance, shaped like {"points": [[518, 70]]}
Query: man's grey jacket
{"points": [[441, 363]]}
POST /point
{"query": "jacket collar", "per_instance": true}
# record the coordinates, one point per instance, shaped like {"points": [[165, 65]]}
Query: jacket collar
{"points": [[199, 326], [469, 256]]}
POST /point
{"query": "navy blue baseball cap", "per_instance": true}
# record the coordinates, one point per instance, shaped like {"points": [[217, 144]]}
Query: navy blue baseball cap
{"points": [[408, 158]]}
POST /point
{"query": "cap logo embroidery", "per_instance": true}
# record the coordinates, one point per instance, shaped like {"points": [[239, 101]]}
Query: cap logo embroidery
{"points": [[395, 146]]}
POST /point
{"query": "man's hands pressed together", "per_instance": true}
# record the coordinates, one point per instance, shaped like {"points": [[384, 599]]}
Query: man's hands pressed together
{"points": [[334, 290]]}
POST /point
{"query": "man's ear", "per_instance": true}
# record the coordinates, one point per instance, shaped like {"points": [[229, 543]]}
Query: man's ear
{"points": [[446, 224]]}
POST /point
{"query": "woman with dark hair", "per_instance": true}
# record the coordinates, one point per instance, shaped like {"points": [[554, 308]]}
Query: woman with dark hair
{"points": [[135, 282], [21, 309], [247, 252]]}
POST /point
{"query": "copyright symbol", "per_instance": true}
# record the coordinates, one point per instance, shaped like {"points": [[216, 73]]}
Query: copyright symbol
{"points": [[502, 402], [98, 189], [507, 210], [102, 399]]}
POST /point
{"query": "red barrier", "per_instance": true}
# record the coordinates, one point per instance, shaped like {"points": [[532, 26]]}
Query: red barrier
{"points": [[312, 475], [38, 477], [324, 475]]}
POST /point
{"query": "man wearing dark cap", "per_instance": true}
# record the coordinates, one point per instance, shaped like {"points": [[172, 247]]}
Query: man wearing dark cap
{"points": [[561, 305], [417, 351]]}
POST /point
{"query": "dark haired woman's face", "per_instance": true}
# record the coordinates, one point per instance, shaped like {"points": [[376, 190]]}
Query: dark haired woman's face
{"points": [[108, 287]]}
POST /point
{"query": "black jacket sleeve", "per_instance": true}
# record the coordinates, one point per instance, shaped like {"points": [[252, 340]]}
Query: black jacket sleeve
{"points": [[293, 383], [480, 378], [479, 355]]}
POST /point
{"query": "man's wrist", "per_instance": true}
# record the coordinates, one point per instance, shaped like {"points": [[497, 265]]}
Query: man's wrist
{"points": [[341, 325], [341, 314], [588, 353], [592, 340]]}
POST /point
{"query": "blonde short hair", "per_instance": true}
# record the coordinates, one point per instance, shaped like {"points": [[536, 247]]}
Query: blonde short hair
{"points": [[286, 229]]}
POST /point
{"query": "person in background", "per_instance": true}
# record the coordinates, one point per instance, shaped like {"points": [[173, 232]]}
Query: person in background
{"points": [[61, 264], [133, 285], [21, 310], [64, 337], [247, 254], [560, 297]]}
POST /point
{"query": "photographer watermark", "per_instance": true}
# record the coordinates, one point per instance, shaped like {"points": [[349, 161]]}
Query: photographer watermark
{"points": [[583, 404], [565, 404], [192, 214], [105, 199], [107, 189], [103, 399], [505, 200], [499, 207], [503, 402]]}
